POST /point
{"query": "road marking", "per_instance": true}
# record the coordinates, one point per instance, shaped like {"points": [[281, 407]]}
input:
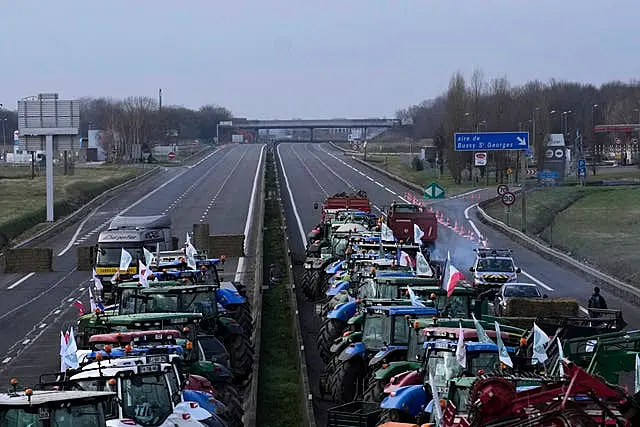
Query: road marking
{"points": [[584, 310], [539, 282], [303, 236], [42, 325], [58, 311], [326, 193], [457, 196], [250, 214], [136, 203], [21, 280], [27, 341], [6, 360], [78, 230], [473, 225], [381, 185]]}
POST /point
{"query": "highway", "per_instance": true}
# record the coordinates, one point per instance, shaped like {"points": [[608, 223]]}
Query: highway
{"points": [[314, 171], [34, 307]]}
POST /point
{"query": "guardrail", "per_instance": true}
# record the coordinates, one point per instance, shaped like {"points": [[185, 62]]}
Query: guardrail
{"points": [[307, 397], [250, 417], [606, 281]]}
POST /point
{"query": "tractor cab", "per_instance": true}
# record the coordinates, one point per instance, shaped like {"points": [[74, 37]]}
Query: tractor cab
{"points": [[47, 408]]}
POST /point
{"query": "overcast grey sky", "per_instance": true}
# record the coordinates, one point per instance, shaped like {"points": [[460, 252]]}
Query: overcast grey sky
{"points": [[308, 59]]}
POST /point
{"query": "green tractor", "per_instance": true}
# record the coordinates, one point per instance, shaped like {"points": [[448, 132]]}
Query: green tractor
{"points": [[172, 296]]}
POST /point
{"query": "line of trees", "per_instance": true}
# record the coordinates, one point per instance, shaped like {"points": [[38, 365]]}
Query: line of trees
{"points": [[137, 120], [478, 104]]}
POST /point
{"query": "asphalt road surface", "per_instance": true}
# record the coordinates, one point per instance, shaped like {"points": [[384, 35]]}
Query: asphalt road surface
{"points": [[34, 307], [315, 171]]}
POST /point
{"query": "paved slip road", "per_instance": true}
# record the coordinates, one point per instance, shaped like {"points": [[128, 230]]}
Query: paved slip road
{"points": [[34, 307], [314, 171]]}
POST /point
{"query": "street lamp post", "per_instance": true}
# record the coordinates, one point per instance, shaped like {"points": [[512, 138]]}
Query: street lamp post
{"points": [[4, 138]]}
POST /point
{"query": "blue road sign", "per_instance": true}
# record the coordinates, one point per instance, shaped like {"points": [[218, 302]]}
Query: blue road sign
{"points": [[491, 141], [548, 175], [528, 153], [582, 164]]}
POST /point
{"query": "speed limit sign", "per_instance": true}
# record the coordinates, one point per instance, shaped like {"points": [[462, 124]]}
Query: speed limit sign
{"points": [[508, 198]]}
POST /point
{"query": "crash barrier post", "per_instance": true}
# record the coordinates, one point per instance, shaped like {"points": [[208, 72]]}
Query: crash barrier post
{"points": [[250, 410], [606, 281], [307, 397], [86, 256], [27, 260]]}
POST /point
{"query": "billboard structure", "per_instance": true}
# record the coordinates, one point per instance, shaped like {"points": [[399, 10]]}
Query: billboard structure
{"points": [[46, 122]]}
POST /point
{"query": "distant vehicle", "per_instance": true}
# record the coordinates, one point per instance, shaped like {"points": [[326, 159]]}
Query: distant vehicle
{"points": [[515, 290], [493, 267]]}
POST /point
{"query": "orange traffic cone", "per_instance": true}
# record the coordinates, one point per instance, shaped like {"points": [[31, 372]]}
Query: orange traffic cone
{"points": [[455, 228]]}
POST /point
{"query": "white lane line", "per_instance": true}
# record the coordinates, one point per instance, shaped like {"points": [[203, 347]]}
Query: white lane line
{"points": [[58, 311], [21, 280], [539, 282], [136, 203], [303, 236], [584, 310], [473, 224], [42, 325], [78, 230], [381, 185], [457, 196], [250, 214], [26, 341], [6, 360], [370, 179]]}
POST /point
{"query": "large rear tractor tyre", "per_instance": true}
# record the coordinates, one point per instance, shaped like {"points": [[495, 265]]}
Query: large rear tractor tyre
{"points": [[240, 358], [309, 291], [325, 376], [375, 390], [244, 318], [346, 381], [395, 416], [305, 278], [329, 331], [234, 410]]}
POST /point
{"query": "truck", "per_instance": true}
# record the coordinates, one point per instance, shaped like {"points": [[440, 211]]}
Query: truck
{"points": [[358, 201], [131, 233], [402, 216]]}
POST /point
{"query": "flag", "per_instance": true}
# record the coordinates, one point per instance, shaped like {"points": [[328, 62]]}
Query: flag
{"points": [[482, 335], [637, 373], [114, 278], [125, 260], [503, 354], [422, 266], [461, 351], [437, 410], [540, 341], [96, 281], [418, 234], [143, 274], [70, 356], [560, 357], [92, 300], [405, 260], [386, 233], [451, 276], [148, 256], [188, 241], [415, 301], [80, 306], [63, 351], [191, 253]]}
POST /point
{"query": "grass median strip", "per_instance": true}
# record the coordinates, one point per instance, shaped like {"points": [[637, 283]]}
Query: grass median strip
{"points": [[598, 225], [279, 388], [23, 200]]}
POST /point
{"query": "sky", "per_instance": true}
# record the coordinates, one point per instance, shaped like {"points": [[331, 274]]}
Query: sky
{"points": [[283, 59]]}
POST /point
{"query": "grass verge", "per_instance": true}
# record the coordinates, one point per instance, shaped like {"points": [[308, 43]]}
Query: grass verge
{"points": [[598, 225], [23, 201], [279, 388]]}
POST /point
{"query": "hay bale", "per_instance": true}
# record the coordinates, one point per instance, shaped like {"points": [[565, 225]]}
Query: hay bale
{"points": [[526, 307]]}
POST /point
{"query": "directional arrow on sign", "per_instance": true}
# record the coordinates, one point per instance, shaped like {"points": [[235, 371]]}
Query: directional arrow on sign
{"points": [[434, 191]]}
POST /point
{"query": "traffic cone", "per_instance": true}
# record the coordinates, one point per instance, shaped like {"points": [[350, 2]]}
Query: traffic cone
{"points": [[462, 230], [448, 222], [455, 228]]}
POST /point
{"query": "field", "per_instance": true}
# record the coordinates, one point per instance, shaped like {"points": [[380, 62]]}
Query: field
{"points": [[385, 147], [597, 225], [23, 200]]}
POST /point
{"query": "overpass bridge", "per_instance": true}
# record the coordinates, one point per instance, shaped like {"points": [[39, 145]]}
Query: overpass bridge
{"points": [[334, 126]]}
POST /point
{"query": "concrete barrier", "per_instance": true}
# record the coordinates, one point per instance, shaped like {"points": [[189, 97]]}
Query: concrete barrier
{"points": [[229, 245], [617, 287], [27, 260], [85, 258]]}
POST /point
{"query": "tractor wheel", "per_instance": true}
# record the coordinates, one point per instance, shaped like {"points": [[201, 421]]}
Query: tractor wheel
{"points": [[395, 416], [240, 357], [375, 390], [323, 286], [329, 331], [243, 317], [346, 381], [227, 394], [234, 411], [314, 276], [325, 376]]}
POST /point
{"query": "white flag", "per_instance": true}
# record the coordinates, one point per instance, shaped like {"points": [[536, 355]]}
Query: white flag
{"points": [[191, 253], [437, 410], [482, 335], [560, 357], [148, 256], [415, 301], [96, 281], [503, 354], [418, 234], [386, 233], [125, 260], [188, 241], [540, 341], [63, 351], [405, 260], [637, 373], [92, 301], [143, 274], [461, 350], [422, 266], [70, 356]]}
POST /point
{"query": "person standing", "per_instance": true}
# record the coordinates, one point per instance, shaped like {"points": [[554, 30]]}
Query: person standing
{"points": [[596, 301]]}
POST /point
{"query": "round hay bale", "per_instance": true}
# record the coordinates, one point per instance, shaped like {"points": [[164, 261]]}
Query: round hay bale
{"points": [[527, 307]]}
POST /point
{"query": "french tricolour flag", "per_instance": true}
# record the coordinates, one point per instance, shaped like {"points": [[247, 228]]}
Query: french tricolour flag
{"points": [[451, 276]]}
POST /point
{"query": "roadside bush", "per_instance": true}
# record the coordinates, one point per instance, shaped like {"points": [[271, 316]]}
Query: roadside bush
{"points": [[417, 163]]}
